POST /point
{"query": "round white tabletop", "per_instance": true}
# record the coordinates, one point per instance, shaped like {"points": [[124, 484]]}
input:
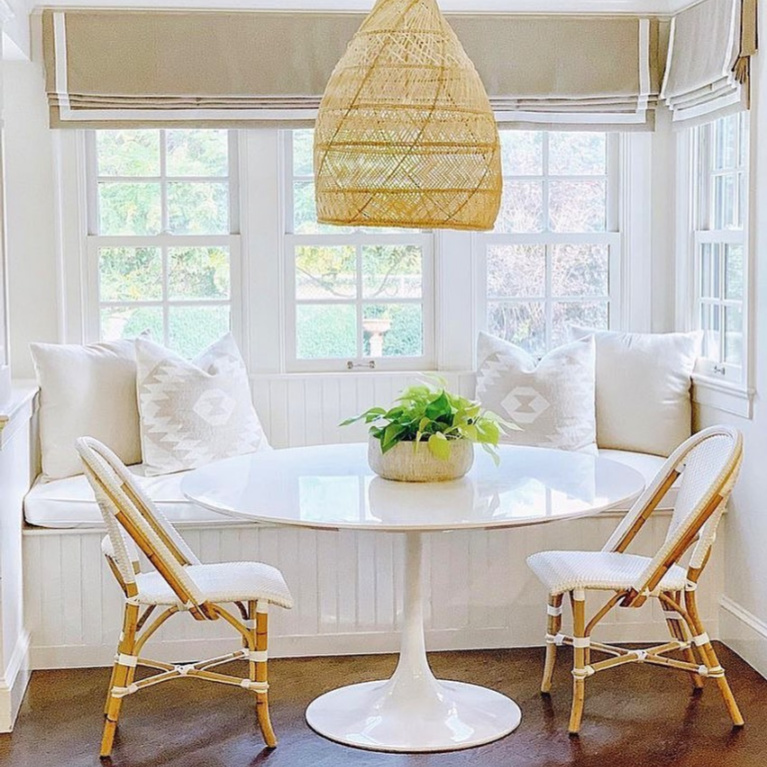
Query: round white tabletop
{"points": [[332, 487]]}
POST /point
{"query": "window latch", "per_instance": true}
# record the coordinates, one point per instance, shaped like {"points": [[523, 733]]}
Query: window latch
{"points": [[719, 370], [370, 365]]}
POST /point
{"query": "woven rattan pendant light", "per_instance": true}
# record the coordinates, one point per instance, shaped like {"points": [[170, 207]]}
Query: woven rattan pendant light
{"points": [[405, 136]]}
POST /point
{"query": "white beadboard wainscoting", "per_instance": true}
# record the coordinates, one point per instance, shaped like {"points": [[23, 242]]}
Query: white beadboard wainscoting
{"points": [[347, 585], [298, 410]]}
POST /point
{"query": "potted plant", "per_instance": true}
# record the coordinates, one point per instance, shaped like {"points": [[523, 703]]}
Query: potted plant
{"points": [[429, 435]]}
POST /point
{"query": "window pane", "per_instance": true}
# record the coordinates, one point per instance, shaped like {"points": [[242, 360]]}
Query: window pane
{"points": [[130, 274], [733, 335], [724, 202], [521, 208], [742, 139], [326, 331], [706, 272], [710, 324], [578, 154], [590, 315], [326, 273], [392, 330], [516, 271], [305, 212], [520, 323], [726, 142], [734, 272], [132, 209], [198, 273], [577, 206], [129, 322], [522, 153], [303, 152], [198, 208], [580, 270], [392, 271], [192, 328], [197, 152], [128, 152]]}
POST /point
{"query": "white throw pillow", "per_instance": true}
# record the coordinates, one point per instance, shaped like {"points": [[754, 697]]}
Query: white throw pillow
{"points": [[195, 412], [553, 400], [86, 391], [643, 389]]}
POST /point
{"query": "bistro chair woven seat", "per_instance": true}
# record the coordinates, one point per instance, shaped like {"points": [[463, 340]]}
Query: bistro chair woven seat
{"points": [[179, 583], [708, 463]]}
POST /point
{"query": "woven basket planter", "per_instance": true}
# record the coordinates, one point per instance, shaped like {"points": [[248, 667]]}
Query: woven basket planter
{"points": [[405, 135], [406, 463]]}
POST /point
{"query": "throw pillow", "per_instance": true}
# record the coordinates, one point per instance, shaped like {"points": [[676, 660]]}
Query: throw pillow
{"points": [[552, 400], [192, 413], [643, 389], [86, 391]]}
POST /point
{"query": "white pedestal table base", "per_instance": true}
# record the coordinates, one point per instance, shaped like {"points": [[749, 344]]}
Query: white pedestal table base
{"points": [[413, 711]]}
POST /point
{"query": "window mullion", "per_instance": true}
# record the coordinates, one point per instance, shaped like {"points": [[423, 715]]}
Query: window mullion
{"points": [[549, 305], [360, 330]]}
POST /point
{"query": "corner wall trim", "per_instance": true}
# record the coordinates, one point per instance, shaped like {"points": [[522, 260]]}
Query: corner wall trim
{"points": [[744, 633], [13, 684]]}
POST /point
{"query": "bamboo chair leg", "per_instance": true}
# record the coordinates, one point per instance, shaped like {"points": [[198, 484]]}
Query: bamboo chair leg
{"points": [[553, 625], [676, 627], [111, 685], [578, 600], [711, 660], [120, 676], [258, 670]]}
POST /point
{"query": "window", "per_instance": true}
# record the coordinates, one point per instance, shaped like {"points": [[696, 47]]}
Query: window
{"points": [[355, 297], [161, 245], [554, 257], [720, 180]]}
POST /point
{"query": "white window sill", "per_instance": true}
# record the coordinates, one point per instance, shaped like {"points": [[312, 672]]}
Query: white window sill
{"points": [[722, 395]]}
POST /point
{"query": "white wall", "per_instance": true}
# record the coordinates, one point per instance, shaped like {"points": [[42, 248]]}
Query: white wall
{"points": [[744, 616], [30, 214]]}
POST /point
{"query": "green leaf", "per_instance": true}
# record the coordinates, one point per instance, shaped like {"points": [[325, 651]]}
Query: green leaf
{"points": [[439, 446], [391, 436]]}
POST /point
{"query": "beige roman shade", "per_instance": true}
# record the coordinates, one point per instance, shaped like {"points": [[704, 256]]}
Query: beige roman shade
{"points": [[708, 67], [113, 68]]}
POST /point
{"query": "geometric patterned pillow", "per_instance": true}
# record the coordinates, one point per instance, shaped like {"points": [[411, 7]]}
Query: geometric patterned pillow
{"points": [[553, 401], [193, 413]]}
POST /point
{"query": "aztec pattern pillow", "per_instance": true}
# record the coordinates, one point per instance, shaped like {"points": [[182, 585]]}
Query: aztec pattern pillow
{"points": [[553, 401], [193, 413]]}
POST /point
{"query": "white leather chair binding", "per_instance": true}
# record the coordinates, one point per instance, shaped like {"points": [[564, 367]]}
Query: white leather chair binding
{"points": [[179, 583], [708, 463]]}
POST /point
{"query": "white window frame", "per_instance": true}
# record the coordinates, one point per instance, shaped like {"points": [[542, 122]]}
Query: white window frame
{"points": [[163, 241], [260, 289], [357, 239], [612, 238], [718, 384]]}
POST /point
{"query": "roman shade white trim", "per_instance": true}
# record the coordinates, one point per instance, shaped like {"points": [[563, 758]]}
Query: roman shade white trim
{"points": [[708, 65], [109, 68]]}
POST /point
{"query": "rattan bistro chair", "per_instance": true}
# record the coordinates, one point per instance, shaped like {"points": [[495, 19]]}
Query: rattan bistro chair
{"points": [[179, 583], [708, 463]]}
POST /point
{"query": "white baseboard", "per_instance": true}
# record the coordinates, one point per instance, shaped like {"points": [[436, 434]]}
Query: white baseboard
{"points": [[357, 643], [13, 684], [744, 633]]}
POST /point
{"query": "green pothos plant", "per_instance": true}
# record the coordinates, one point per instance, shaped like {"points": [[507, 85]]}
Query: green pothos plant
{"points": [[429, 413]]}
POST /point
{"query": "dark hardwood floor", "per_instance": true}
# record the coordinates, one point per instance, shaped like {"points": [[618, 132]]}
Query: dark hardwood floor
{"points": [[635, 717]]}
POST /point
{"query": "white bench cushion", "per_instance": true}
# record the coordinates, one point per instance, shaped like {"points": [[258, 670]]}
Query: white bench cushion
{"points": [[69, 503]]}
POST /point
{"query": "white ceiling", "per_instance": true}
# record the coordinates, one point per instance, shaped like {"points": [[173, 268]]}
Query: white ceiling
{"points": [[527, 6]]}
